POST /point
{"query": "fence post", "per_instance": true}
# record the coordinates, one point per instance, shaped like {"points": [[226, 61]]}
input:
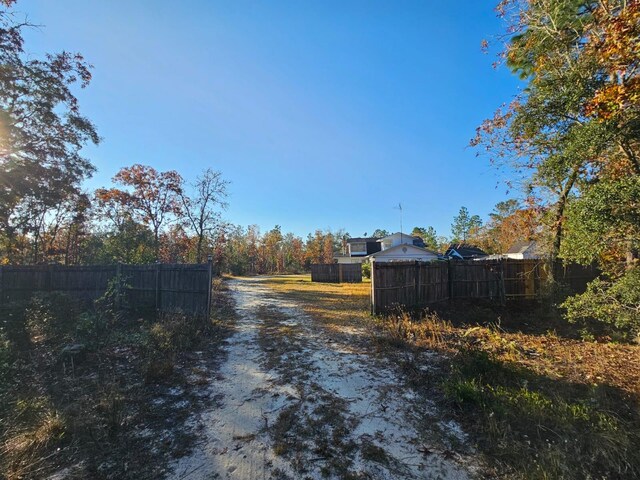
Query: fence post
{"points": [[340, 278], [1, 286], [210, 276], [501, 288], [373, 287], [449, 279], [158, 305], [416, 281]]}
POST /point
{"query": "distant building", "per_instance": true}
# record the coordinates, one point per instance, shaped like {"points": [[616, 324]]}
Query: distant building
{"points": [[464, 251], [358, 249], [393, 248], [400, 239], [361, 247], [524, 251], [404, 252]]}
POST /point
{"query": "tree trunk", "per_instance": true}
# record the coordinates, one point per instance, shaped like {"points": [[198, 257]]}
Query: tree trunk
{"points": [[559, 217], [10, 244], [631, 156], [35, 249], [156, 243], [67, 248], [199, 249]]}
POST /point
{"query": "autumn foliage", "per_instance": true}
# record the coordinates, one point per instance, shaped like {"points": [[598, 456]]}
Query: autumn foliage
{"points": [[572, 137]]}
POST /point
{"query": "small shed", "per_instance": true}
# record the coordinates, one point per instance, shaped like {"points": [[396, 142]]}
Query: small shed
{"points": [[404, 253]]}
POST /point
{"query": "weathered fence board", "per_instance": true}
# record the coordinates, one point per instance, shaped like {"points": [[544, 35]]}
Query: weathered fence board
{"points": [[418, 284], [337, 273], [183, 286], [158, 286], [408, 283]]}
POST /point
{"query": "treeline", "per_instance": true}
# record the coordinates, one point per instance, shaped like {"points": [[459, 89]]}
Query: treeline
{"points": [[147, 216], [510, 222], [246, 251], [150, 216]]}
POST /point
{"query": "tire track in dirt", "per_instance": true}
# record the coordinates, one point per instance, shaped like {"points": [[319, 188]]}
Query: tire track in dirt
{"points": [[297, 404]]}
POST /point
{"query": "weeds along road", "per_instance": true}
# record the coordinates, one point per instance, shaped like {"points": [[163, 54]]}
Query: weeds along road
{"points": [[300, 402]]}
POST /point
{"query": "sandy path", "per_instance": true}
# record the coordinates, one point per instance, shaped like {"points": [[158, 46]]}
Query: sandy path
{"points": [[299, 404]]}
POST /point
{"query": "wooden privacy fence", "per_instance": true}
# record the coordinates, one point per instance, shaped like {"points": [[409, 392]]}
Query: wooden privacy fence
{"points": [[418, 284], [337, 272], [164, 287]]}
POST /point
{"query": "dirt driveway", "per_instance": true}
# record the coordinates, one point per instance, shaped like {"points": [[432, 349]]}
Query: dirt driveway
{"points": [[293, 401]]}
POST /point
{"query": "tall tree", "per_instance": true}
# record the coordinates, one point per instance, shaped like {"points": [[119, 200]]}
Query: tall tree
{"points": [[577, 120], [574, 132], [130, 243], [42, 130], [199, 207], [511, 222], [465, 225], [328, 248], [293, 250], [45, 225], [380, 233], [152, 197], [428, 236]]}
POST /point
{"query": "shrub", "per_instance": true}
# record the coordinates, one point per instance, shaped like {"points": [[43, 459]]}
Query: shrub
{"points": [[173, 332], [366, 269], [113, 303], [6, 359], [91, 327], [616, 304], [53, 315], [12, 326]]}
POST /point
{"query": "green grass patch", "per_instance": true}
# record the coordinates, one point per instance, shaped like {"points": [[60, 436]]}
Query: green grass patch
{"points": [[538, 428]]}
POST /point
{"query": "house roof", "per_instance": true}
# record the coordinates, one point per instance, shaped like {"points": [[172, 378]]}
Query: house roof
{"points": [[406, 248], [521, 247], [362, 239], [465, 250], [397, 234]]}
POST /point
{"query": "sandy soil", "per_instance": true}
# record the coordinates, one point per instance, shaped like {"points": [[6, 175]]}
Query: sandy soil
{"points": [[295, 402]]}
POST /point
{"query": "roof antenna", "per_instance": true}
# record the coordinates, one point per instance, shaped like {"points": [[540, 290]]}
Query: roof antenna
{"points": [[399, 207]]}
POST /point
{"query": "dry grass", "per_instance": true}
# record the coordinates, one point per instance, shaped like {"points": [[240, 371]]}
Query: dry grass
{"points": [[538, 404], [53, 417], [335, 306], [582, 362], [26, 446]]}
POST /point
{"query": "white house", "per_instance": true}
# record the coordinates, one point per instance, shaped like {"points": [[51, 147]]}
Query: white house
{"points": [[404, 252], [523, 251], [348, 259], [400, 239], [358, 249]]}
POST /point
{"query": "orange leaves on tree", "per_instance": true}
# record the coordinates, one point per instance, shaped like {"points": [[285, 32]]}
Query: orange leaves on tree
{"points": [[151, 198], [614, 43]]}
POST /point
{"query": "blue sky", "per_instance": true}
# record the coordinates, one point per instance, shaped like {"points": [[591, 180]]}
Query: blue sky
{"points": [[321, 114]]}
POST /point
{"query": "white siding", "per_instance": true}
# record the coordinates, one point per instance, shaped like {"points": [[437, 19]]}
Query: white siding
{"points": [[395, 240], [404, 254], [350, 259]]}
